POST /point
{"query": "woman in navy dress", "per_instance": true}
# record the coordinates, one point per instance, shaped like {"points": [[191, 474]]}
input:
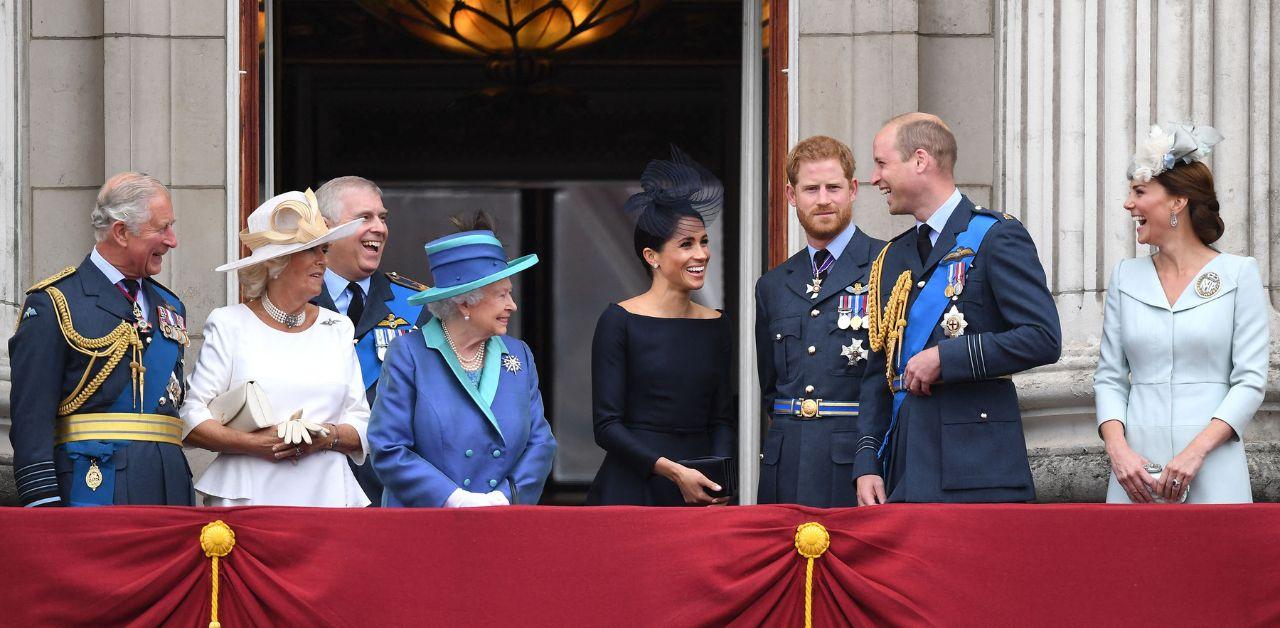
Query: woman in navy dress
{"points": [[661, 363]]}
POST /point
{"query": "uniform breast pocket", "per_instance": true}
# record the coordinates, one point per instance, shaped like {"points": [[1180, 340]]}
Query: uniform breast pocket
{"points": [[973, 293], [785, 333]]}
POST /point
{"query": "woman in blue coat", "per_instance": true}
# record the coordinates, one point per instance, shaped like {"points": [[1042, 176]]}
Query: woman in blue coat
{"points": [[459, 418]]}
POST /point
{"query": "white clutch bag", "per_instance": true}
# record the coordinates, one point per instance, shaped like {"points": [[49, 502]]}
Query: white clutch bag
{"points": [[244, 408]]}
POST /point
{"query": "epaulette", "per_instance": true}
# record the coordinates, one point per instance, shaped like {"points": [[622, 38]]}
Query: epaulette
{"points": [[978, 209], [52, 279], [401, 280]]}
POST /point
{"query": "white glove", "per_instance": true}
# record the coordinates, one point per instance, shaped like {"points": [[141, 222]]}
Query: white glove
{"points": [[466, 499], [496, 498], [296, 430]]}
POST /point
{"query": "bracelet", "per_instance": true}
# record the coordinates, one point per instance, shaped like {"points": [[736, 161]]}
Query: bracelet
{"points": [[333, 445]]}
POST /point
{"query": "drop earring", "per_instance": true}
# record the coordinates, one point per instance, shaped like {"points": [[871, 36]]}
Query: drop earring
{"points": [[466, 317], [1173, 219]]}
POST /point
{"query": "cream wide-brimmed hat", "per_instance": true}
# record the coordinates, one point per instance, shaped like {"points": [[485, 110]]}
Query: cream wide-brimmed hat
{"points": [[286, 224]]}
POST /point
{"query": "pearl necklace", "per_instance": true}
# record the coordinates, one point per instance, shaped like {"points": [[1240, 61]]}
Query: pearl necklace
{"points": [[469, 364], [278, 315]]}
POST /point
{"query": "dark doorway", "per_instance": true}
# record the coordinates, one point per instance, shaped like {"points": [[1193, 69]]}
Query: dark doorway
{"points": [[355, 95]]}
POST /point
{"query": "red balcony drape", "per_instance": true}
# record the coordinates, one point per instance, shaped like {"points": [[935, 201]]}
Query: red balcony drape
{"points": [[982, 565]]}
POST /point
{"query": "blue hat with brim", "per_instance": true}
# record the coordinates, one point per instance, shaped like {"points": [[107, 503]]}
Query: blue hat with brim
{"points": [[465, 261]]}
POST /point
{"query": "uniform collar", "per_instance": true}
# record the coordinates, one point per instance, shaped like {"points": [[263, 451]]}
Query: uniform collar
{"points": [[113, 274], [483, 396], [938, 221], [837, 246], [336, 284]]}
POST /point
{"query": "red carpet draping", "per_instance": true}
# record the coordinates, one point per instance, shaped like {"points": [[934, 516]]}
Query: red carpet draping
{"points": [[987, 565]]}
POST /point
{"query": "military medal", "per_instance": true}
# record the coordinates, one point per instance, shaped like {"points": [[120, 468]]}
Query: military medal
{"points": [[859, 310], [854, 352], [953, 323], [511, 363], [139, 321], [1207, 284], [812, 289], [955, 279], [174, 390], [816, 286], [93, 479], [845, 311], [382, 339]]}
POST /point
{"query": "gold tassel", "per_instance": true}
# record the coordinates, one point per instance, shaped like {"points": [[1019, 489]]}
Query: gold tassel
{"points": [[812, 541], [217, 540]]}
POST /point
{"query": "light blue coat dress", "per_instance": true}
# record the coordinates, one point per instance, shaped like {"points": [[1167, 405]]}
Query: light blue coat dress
{"points": [[1165, 372], [432, 431]]}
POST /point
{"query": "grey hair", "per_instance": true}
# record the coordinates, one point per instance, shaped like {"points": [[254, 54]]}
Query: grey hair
{"points": [[126, 198], [447, 309], [329, 196], [254, 279]]}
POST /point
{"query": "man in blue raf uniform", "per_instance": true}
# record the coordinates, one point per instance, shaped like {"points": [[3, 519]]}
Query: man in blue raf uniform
{"points": [[375, 301], [811, 337], [97, 366], [959, 305]]}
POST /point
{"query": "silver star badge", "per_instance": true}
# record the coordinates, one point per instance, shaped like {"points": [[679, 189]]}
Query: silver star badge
{"points": [[854, 352], [511, 363]]}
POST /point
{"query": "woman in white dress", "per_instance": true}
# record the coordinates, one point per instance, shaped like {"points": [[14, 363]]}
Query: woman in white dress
{"points": [[1184, 346], [302, 357]]}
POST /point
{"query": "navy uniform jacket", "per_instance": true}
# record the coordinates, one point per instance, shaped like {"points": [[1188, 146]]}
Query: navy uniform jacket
{"points": [[809, 461], [385, 310], [46, 370], [964, 443]]}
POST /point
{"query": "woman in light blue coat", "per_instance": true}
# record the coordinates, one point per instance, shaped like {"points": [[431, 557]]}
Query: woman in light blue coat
{"points": [[459, 418], [1184, 347]]}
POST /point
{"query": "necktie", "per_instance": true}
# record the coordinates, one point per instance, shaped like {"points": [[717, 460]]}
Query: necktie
{"points": [[356, 308], [130, 288], [821, 263], [923, 246]]}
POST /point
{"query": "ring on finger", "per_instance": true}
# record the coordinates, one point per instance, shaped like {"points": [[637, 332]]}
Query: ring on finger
{"points": [[297, 452]]}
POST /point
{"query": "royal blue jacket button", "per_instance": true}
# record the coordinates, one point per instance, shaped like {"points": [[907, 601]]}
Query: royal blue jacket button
{"points": [[497, 453], [469, 452], [466, 482], [493, 483]]}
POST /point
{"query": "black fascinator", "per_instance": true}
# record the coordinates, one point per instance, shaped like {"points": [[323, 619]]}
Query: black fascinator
{"points": [[674, 189]]}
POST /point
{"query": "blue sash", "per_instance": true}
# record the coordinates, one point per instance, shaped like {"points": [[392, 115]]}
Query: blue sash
{"points": [[367, 345], [160, 359], [927, 310]]}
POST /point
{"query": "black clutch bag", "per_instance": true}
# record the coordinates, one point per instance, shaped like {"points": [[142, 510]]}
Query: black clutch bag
{"points": [[718, 469]]}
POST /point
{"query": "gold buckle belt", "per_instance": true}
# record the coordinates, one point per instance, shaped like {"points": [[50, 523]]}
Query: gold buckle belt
{"points": [[814, 408], [155, 428]]}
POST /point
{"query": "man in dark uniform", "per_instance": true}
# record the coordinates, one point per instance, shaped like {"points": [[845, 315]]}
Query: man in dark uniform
{"points": [[810, 336], [376, 302], [97, 365], [959, 305]]}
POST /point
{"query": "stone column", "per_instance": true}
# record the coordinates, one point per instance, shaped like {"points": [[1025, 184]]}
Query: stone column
{"points": [[1082, 82]]}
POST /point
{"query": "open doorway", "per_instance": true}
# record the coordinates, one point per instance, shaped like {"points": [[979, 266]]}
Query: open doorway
{"points": [[349, 93]]}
